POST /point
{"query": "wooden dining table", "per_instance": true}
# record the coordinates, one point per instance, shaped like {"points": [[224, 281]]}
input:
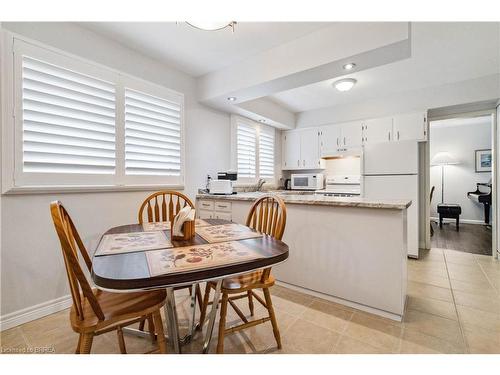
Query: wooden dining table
{"points": [[129, 272]]}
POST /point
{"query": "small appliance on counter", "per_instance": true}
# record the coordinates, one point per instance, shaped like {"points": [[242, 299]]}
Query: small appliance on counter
{"points": [[288, 184], [307, 181], [342, 186], [224, 183]]}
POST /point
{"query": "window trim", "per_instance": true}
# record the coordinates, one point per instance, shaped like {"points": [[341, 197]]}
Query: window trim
{"points": [[234, 149], [11, 131]]}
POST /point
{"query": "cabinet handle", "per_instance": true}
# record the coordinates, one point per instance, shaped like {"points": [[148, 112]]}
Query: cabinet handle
{"points": [[389, 135], [304, 162], [344, 141], [337, 141], [298, 163], [398, 135]]}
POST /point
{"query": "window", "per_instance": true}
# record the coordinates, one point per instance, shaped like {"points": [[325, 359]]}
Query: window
{"points": [[80, 124], [253, 149]]}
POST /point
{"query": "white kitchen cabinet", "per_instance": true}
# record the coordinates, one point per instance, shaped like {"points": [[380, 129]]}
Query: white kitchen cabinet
{"points": [[309, 149], [377, 130], [301, 149], [291, 150], [412, 126], [214, 209], [339, 138]]}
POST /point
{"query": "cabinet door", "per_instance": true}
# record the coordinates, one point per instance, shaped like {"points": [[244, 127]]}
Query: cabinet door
{"points": [[329, 140], [377, 130], [309, 149], [204, 214], [351, 135], [410, 126], [222, 215], [291, 150]]}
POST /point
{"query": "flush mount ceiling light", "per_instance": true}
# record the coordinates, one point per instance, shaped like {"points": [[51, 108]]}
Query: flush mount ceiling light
{"points": [[212, 25], [344, 84], [349, 66], [232, 98]]}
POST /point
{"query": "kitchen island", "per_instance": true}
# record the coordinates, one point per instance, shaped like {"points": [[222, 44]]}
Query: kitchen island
{"points": [[349, 250]]}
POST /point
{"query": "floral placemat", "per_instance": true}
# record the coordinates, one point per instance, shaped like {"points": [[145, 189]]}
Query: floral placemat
{"points": [[165, 225], [130, 242], [161, 262], [226, 232]]}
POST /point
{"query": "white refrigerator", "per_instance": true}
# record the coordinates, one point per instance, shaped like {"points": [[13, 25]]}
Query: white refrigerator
{"points": [[390, 171]]}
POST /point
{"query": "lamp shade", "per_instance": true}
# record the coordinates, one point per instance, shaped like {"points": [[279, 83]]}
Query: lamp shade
{"points": [[444, 158]]}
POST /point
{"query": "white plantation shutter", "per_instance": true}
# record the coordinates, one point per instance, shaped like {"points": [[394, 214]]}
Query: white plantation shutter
{"points": [[266, 152], [152, 135], [246, 146], [68, 121]]}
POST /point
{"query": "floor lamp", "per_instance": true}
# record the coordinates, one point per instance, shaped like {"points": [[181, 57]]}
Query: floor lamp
{"points": [[442, 159]]}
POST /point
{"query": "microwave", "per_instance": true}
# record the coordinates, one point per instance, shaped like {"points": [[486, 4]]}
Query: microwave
{"points": [[307, 181]]}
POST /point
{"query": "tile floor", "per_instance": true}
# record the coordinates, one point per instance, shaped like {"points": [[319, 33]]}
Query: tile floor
{"points": [[453, 307]]}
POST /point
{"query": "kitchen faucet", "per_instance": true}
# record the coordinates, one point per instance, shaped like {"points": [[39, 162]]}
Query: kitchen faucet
{"points": [[259, 184]]}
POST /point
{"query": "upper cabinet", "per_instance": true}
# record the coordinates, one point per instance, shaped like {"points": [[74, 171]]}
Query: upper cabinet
{"points": [[377, 130], [411, 126], [339, 138], [305, 148], [300, 149]]}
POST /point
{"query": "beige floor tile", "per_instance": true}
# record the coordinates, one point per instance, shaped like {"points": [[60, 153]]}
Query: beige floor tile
{"points": [[310, 338], [433, 325], [12, 341], [375, 332], [432, 254], [348, 345], [433, 306], [423, 290], [482, 341], [480, 302], [414, 342], [480, 318], [292, 302], [472, 274], [327, 315], [483, 288], [459, 257], [426, 278]]}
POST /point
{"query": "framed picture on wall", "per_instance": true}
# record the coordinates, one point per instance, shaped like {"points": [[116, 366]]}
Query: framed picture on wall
{"points": [[483, 161]]}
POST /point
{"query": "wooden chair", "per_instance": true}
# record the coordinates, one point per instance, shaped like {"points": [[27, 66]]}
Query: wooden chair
{"points": [[163, 206], [267, 215], [95, 312]]}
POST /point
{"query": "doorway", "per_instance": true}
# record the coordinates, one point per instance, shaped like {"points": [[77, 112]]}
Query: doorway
{"points": [[461, 183]]}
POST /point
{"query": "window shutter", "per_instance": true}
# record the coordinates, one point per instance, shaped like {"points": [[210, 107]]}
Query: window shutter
{"points": [[246, 149], [68, 121], [152, 135], [266, 152]]}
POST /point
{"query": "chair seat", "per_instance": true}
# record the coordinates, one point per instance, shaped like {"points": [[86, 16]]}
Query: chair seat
{"points": [[117, 307], [238, 284]]}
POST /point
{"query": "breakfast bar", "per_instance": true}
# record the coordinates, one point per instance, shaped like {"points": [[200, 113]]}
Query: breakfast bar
{"points": [[349, 250]]}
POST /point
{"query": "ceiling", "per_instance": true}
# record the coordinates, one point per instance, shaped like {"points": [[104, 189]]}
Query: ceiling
{"points": [[441, 53], [197, 52]]}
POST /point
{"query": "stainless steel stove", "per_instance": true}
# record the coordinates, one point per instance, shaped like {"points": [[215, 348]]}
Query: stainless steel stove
{"points": [[342, 186]]}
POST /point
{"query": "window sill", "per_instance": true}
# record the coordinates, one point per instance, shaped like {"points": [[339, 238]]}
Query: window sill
{"points": [[87, 189]]}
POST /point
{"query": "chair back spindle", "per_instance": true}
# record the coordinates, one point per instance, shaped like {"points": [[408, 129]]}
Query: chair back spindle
{"points": [[163, 206], [71, 245], [268, 215]]}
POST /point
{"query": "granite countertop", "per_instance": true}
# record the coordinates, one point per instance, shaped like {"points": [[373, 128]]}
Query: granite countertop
{"points": [[315, 199]]}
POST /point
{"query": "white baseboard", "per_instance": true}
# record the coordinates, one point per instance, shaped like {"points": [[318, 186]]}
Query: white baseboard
{"points": [[465, 221], [34, 312]]}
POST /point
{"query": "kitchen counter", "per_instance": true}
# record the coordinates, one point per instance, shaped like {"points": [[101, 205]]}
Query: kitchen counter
{"points": [[293, 197], [349, 250]]}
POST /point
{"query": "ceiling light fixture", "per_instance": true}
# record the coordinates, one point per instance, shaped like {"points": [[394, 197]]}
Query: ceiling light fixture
{"points": [[344, 84], [232, 98], [212, 25], [349, 66], [262, 120]]}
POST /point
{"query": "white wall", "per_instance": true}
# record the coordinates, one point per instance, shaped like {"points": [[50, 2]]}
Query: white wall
{"points": [[461, 140], [31, 266]]}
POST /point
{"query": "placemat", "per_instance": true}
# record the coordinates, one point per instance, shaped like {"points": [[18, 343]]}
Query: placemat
{"points": [[226, 232], [165, 225], [130, 242], [178, 259]]}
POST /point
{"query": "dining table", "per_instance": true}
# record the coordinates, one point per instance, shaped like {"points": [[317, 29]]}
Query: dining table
{"points": [[130, 272]]}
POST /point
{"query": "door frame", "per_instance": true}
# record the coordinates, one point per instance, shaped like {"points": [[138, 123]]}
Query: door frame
{"points": [[425, 159]]}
